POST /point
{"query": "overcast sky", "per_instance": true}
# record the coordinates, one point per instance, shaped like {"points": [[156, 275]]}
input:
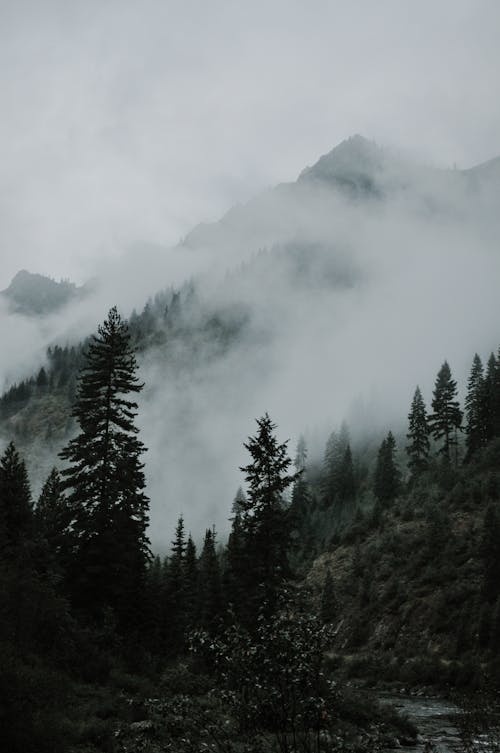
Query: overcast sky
{"points": [[125, 121]]}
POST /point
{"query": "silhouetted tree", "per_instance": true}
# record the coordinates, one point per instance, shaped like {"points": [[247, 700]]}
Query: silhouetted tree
{"points": [[16, 514], [446, 419], [264, 520], [387, 479], [418, 435], [475, 427], [209, 584], [104, 480]]}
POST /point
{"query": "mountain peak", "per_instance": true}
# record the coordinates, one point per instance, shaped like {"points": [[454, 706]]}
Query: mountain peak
{"points": [[354, 163], [32, 293]]}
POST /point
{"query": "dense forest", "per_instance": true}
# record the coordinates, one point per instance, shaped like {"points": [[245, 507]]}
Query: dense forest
{"points": [[376, 565]]}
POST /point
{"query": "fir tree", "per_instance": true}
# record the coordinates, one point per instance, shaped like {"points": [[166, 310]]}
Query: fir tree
{"points": [[191, 576], [346, 484], [336, 466], [53, 517], [489, 407], [418, 435], [235, 561], [387, 479], [446, 419], [475, 427], [175, 597], [104, 480], [209, 584], [264, 521], [16, 514]]}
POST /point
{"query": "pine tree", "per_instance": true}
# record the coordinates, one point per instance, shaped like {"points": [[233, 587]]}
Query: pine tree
{"points": [[490, 396], [475, 428], [16, 514], [387, 479], [104, 480], [235, 558], [446, 419], [346, 484], [53, 518], [191, 577], [418, 435], [264, 521], [335, 467], [209, 584]]}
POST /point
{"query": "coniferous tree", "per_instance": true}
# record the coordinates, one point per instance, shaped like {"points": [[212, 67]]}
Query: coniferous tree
{"points": [[337, 468], [176, 588], [475, 427], [209, 584], [191, 583], [489, 408], [265, 521], [346, 484], [446, 419], [16, 514], [104, 480], [418, 435], [52, 517], [387, 479], [235, 561]]}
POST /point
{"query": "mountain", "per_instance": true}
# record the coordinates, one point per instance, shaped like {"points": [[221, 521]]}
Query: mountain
{"points": [[34, 294], [325, 298], [356, 176]]}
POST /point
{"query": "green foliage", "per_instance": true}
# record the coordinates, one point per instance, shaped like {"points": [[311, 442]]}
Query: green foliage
{"points": [[272, 680]]}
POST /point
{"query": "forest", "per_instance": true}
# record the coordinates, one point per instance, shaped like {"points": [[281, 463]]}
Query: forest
{"points": [[377, 567]]}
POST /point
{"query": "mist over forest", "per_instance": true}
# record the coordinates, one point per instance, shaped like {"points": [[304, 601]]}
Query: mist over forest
{"points": [[348, 288], [250, 376]]}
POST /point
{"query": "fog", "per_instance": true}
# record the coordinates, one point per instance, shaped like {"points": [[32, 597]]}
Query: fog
{"points": [[125, 125], [385, 290]]}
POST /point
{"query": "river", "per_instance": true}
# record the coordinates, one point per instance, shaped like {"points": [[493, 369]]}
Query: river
{"points": [[434, 719]]}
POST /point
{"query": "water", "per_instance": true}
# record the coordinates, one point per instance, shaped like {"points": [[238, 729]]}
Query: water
{"points": [[434, 719]]}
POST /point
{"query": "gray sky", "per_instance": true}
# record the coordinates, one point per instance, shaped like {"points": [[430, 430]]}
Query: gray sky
{"points": [[132, 121]]}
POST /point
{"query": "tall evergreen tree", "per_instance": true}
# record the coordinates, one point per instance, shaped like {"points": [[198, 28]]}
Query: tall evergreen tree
{"points": [[104, 480], [418, 435], [16, 514], [175, 581], [265, 521], [53, 518], [335, 466], [209, 584], [446, 418], [191, 583], [490, 405], [387, 479], [235, 571], [475, 427]]}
